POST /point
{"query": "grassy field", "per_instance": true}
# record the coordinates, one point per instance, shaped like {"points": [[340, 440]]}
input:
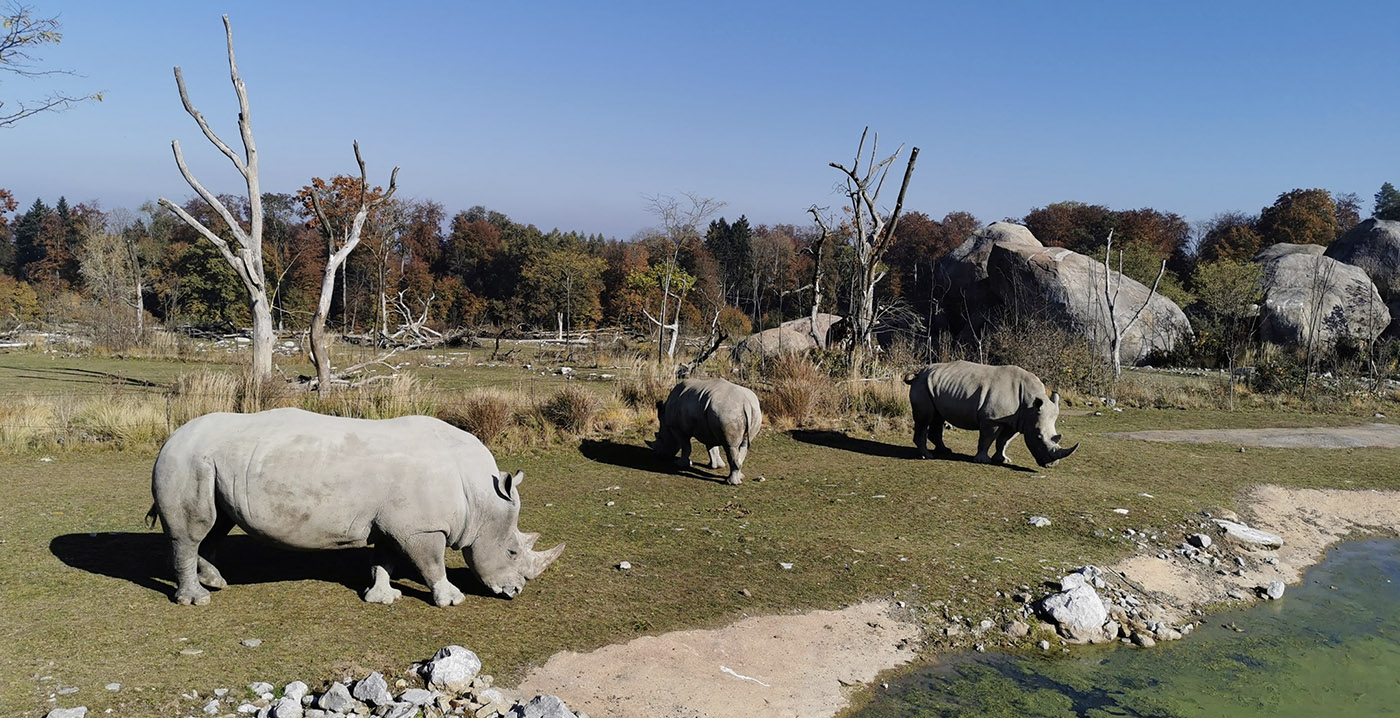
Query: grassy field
{"points": [[84, 584]]}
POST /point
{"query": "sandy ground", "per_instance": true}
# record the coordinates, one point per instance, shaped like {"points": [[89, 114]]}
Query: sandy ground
{"points": [[779, 666], [1341, 437], [804, 665]]}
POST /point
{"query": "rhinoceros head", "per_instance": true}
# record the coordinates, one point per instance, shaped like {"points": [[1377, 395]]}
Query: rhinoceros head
{"points": [[503, 557], [1041, 437]]}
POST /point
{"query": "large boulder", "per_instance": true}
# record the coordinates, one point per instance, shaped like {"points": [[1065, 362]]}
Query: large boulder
{"points": [[962, 273], [1067, 289], [1312, 299], [1374, 247], [793, 337]]}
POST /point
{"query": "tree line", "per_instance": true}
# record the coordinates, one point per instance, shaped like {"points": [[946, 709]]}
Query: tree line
{"points": [[417, 266]]}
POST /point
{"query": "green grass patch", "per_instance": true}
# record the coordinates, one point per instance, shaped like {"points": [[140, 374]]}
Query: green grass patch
{"points": [[85, 585]]}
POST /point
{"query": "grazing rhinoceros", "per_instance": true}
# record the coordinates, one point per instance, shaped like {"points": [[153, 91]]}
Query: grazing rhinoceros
{"points": [[998, 401], [718, 413], [308, 481]]}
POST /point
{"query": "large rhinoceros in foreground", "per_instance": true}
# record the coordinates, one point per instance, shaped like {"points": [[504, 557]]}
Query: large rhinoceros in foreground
{"points": [[309, 481], [717, 413], [997, 401]]}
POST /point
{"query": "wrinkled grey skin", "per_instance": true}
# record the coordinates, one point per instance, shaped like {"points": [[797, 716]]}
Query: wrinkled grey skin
{"points": [[717, 413], [997, 401], [308, 481]]}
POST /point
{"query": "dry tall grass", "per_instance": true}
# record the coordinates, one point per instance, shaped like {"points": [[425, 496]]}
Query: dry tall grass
{"points": [[486, 413], [795, 389], [571, 409]]}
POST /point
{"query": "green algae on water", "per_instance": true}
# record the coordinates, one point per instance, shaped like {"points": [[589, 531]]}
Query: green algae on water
{"points": [[1330, 646]]}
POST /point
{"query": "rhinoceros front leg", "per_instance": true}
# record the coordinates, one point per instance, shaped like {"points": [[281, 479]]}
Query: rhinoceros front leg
{"points": [[683, 442], [426, 551], [1004, 436], [185, 554], [381, 573], [716, 457], [986, 436]]}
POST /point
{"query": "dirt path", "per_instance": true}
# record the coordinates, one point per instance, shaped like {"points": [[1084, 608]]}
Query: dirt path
{"points": [[1339, 437], [780, 666]]}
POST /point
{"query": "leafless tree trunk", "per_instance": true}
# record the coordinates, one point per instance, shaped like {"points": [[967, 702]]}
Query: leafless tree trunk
{"points": [[678, 223], [347, 239], [245, 254], [874, 233], [818, 274], [1110, 298]]}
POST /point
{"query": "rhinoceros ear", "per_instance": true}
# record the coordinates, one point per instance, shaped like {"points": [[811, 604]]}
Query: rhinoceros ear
{"points": [[1055, 398], [508, 483]]}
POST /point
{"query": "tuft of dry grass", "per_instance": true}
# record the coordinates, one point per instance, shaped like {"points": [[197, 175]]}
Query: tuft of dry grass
{"points": [[486, 413], [126, 421], [796, 389], [571, 409]]}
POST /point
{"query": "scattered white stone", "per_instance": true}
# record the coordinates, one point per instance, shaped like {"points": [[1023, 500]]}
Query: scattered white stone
{"points": [[373, 689], [295, 690], [1274, 590], [1247, 536], [251, 642], [1038, 521], [79, 712], [786, 566], [624, 565], [260, 687], [1043, 645], [212, 707], [46, 459], [1200, 540], [221, 692], [114, 687], [191, 651], [1077, 608], [452, 669], [336, 699], [1147, 496], [1121, 511], [416, 696], [248, 709], [285, 707], [542, 707]]}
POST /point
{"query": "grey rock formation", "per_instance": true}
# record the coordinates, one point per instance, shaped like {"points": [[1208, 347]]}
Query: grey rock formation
{"points": [[1200, 541], [1314, 299], [79, 712], [416, 696], [1067, 289], [1274, 590], [451, 669], [1374, 247], [961, 275], [542, 707], [295, 690], [285, 707], [792, 337]]}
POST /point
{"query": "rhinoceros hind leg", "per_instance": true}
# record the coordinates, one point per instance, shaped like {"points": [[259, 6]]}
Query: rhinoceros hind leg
{"points": [[716, 457], [985, 438], [209, 574], [188, 592], [736, 462], [426, 551]]}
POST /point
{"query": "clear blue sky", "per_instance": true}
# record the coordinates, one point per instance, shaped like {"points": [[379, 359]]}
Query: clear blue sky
{"points": [[565, 114]]}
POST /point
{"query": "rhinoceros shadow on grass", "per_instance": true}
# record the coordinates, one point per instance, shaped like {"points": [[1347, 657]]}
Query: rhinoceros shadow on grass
{"points": [[641, 458], [843, 442], [144, 559]]}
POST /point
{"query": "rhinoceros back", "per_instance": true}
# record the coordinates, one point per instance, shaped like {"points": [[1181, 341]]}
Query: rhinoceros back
{"points": [[312, 481], [965, 393], [714, 411]]}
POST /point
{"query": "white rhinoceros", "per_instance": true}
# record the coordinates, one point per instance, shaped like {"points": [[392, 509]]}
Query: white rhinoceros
{"points": [[717, 413], [308, 481], [999, 402]]}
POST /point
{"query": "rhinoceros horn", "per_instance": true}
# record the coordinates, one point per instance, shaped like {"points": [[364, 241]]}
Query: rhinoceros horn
{"points": [[540, 560], [1059, 453], [527, 540]]}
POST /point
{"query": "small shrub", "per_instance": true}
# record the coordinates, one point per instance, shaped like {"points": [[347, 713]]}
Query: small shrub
{"points": [[796, 388], [485, 413], [571, 409], [642, 391], [882, 399], [201, 392]]}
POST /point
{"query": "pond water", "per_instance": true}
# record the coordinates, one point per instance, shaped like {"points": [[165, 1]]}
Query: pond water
{"points": [[1330, 647]]}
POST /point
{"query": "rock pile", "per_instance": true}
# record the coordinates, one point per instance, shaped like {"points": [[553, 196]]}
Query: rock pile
{"points": [[451, 685]]}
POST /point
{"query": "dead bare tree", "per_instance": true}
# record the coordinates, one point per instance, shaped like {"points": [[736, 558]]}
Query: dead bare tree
{"points": [[679, 222], [1110, 299], [873, 233], [245, 254], [818, 273], [339, 244]]}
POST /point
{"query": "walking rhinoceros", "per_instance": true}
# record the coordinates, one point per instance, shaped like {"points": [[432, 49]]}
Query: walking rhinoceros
{"points": [[717, 413], [307, 481], [998, 401]]}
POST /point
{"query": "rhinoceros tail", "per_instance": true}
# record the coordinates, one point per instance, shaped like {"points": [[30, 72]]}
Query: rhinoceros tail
{"points": [[151, 517]]}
